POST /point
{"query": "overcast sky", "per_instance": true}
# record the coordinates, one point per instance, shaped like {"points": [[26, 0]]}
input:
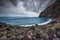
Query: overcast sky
{"points": [[23, 8]]}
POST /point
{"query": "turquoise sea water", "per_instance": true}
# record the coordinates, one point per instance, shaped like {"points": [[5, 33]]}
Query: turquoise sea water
{"points": [[26, 21]]}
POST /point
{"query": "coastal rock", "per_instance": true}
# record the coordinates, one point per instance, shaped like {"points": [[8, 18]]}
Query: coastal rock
{"points": [[48, 32], [3, 38], [56, 39], [52, 11], [58, 33]]}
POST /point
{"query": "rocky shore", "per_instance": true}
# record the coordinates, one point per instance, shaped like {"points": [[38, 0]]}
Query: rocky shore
{"points": [[46, 32]]}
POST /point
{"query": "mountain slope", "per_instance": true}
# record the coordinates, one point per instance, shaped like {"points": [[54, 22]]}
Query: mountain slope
{"points": [[52, 11]]}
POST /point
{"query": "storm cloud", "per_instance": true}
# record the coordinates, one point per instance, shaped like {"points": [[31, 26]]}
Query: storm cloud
{"points": [[23, 8]]}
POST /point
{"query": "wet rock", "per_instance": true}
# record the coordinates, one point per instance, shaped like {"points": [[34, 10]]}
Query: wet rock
{"points": [[56, 39], [13, 37], [58, 33], [30, 34], [20, 34], [3, 38], [38, 36]]}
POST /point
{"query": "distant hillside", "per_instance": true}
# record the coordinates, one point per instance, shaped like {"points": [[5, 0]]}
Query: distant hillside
{"points": [[52, 11]]}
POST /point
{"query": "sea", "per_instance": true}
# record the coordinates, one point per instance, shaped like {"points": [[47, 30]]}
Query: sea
{"points": [[25, 21]]}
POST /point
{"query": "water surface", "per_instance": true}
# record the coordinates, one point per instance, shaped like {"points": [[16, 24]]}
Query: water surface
{"points": [[26, 21]]}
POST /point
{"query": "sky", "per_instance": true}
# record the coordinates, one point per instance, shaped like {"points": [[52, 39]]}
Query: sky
{"points": [[23, 8]]}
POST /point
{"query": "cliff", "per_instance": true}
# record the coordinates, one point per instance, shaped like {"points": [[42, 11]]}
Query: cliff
{"points": [[52, 11]]}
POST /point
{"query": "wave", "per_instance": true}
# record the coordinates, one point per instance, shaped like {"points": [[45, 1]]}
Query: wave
{"points": [[45, 23]]}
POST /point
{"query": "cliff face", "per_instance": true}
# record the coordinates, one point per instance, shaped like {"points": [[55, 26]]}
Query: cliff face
{"points": [[52, 11]]}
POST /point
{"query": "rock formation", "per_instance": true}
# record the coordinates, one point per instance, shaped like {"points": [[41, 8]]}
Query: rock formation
{"points": [[52, 11]]}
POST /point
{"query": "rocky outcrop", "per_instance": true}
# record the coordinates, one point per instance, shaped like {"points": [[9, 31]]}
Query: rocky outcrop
{"points": [[52, 11], [13, 32]]}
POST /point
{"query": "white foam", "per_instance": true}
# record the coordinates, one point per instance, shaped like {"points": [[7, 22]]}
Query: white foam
{"points": [[44, 23]]}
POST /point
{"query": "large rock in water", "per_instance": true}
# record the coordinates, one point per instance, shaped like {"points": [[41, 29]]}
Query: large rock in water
{"points": [[52, 11]]}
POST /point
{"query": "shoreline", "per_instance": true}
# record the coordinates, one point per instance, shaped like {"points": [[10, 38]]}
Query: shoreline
{"points": [[39, 24], [14, 32], [45, 23]]}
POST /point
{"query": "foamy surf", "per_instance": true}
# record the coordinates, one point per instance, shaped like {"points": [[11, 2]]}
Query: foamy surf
{"points": [[25, 21], [45, 23]]}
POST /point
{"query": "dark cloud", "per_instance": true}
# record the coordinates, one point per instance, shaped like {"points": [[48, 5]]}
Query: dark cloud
{"points": [[13, 2], [2, 2]]}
